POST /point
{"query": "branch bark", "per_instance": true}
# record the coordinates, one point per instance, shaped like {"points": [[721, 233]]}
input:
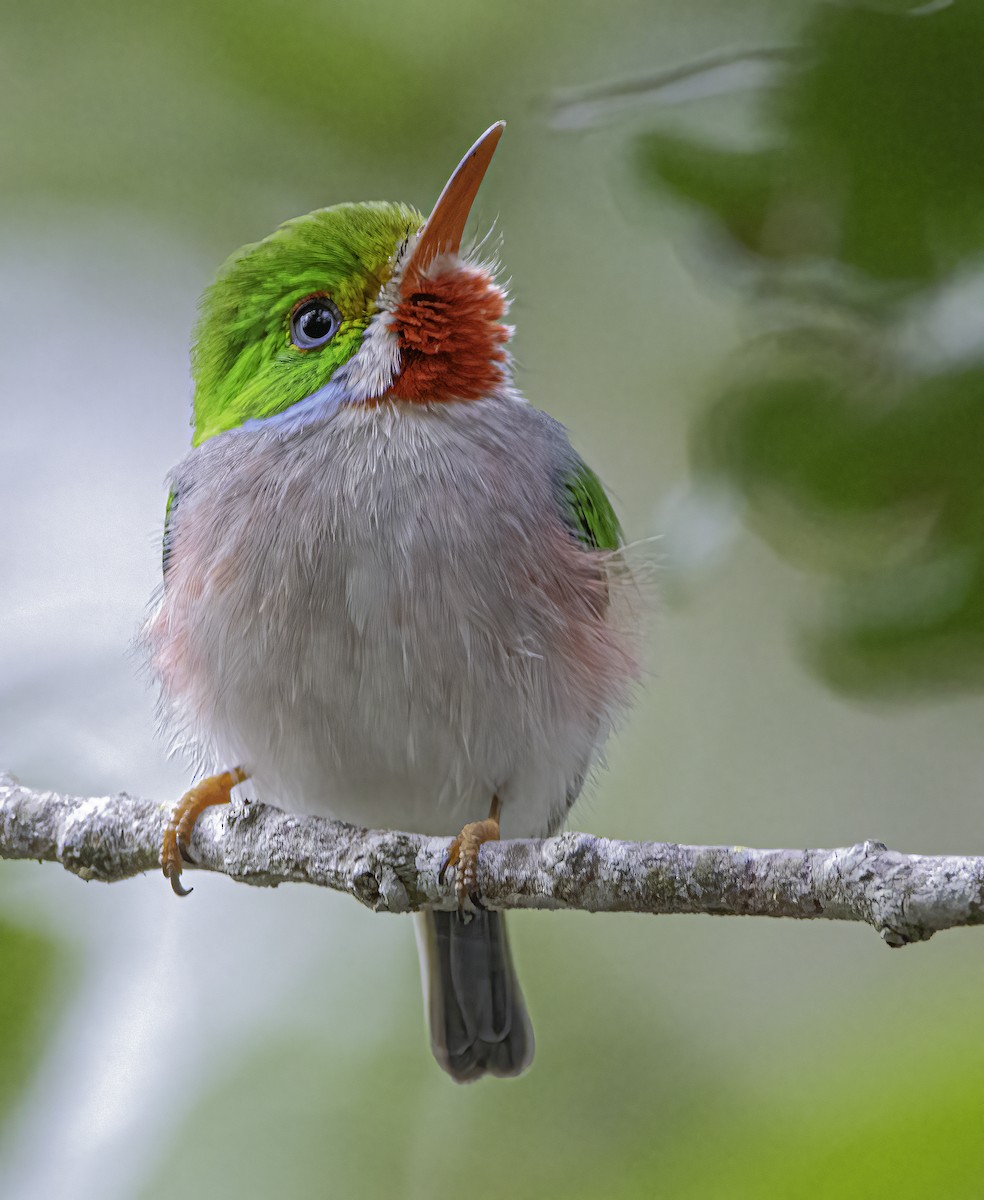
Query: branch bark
{"points": [[905, 897]]}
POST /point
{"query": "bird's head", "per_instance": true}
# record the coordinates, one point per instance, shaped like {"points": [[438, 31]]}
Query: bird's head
{"points": [[356, 304]]}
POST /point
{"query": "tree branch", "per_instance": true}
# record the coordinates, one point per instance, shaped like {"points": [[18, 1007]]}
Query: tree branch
{"points": [[906, 897]]}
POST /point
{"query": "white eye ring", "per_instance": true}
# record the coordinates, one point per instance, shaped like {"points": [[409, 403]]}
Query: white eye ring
{"points": [[314, 321]]}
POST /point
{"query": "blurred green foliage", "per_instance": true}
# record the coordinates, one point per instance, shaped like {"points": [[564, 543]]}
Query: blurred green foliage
{"points": [[27, 966], [899, 1120], [855, 435], [212, 116]]}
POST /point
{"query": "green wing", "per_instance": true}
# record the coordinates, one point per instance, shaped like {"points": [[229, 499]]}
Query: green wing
{"points": [[172, 501], [589, 511]]}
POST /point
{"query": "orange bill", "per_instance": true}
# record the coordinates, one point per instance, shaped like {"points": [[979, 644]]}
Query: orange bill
{"points": [[443, 229]]}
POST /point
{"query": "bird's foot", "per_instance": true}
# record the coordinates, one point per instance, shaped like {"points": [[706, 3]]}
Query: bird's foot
{"points": [[463, 855], [174, 851]]}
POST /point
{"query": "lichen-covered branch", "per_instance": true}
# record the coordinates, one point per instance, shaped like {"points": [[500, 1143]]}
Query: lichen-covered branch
{"points": [[906, 897]]}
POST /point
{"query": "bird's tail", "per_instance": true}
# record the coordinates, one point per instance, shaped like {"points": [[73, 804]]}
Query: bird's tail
{"points": [[478, 1019]]}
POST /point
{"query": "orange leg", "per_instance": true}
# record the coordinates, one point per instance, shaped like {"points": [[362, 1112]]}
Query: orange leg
{"points": [[463, 854], [214, 790]]}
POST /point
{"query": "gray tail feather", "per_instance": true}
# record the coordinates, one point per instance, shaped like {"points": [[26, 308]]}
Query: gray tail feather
{"points": [[478, 1020]]}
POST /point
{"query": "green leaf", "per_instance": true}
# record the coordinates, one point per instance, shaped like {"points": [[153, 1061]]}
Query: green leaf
{"points": [[736, 187]]}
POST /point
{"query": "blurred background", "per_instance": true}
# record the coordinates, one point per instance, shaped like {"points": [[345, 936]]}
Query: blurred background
{"points": [[746, 242]]}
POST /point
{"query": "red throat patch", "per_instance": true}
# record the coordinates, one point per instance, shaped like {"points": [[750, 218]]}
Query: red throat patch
{"points": [[451, 338]]}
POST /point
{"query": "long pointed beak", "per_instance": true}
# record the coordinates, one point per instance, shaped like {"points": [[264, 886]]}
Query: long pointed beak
{"points": [[443, 229]]}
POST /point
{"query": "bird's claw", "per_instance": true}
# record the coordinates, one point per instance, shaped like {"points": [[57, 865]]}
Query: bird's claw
{"points": [[174, 877], [463, 856], [173, 857], [175, 851]]}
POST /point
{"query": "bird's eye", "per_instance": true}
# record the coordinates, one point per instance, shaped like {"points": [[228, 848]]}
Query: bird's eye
{"points": [[313, 322]]}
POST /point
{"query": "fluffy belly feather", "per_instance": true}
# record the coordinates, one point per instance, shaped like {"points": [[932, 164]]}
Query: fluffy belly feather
{"points": [[385, 619]]}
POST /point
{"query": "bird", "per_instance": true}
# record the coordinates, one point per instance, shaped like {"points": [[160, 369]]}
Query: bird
{"points": [[393, 592]]}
